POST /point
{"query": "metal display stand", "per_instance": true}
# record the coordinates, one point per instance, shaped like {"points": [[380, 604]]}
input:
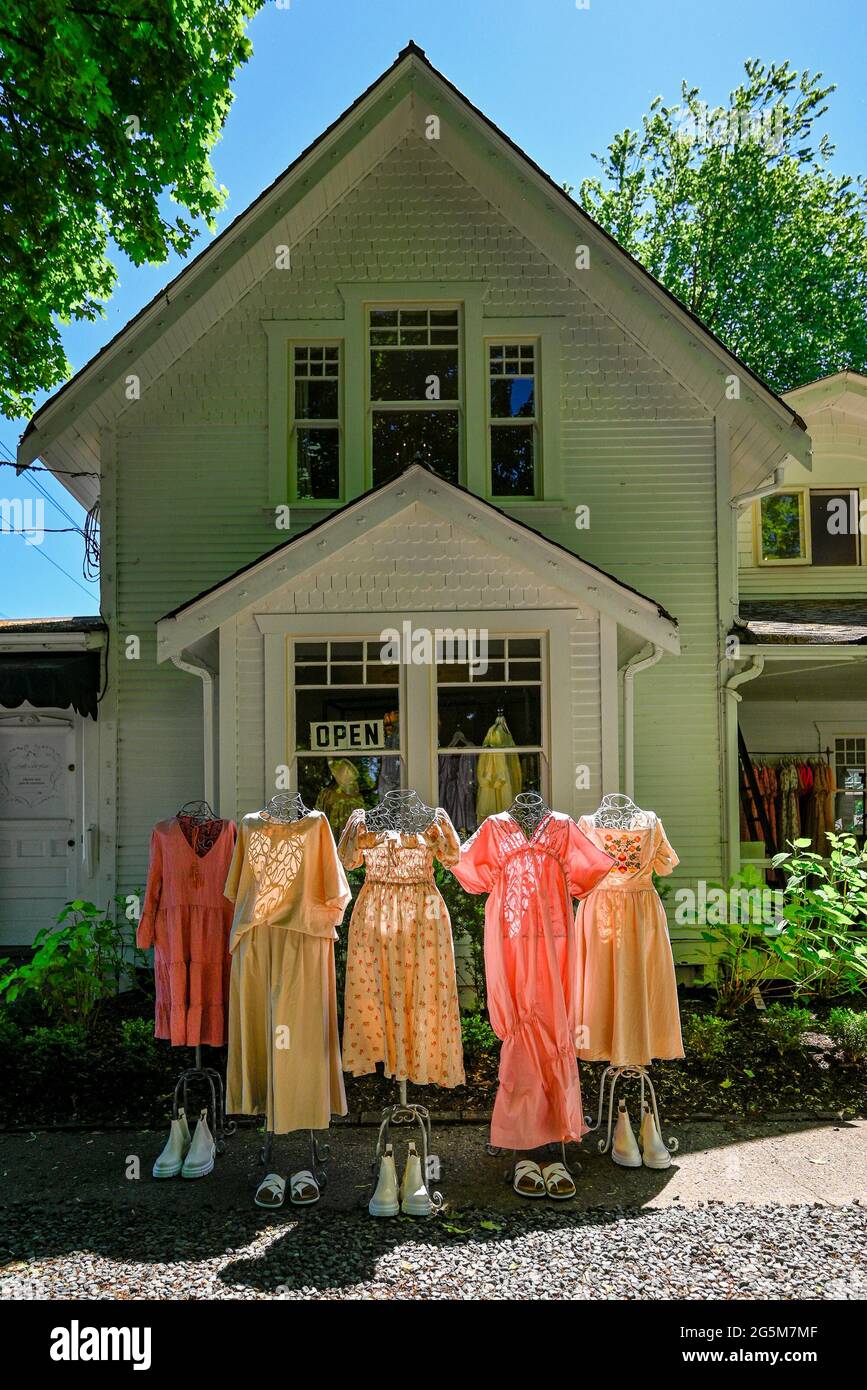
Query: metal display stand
{"points": [[402, 1115], [319, 1156], [213, 1081], [610, 1078]]}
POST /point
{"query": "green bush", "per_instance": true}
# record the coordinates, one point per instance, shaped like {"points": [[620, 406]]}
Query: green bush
{"points": [[138, 1044], [64, 1042], [76, 965], [706, 1035], [826, 916], [848, 1029], [478, 1036], [785, 1027]]}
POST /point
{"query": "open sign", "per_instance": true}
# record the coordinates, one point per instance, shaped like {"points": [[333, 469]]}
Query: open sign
{"points": [[343, 734]]}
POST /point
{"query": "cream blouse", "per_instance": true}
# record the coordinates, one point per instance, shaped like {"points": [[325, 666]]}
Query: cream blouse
{"points": [[286, 874]]}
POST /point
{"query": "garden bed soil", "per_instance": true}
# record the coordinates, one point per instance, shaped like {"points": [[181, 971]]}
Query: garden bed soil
{"points": [[110, 1082]]}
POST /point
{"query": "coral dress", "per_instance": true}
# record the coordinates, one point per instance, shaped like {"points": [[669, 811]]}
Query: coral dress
{"points": [[627, 991], [531, 949], [290, 893], [401, 1003], [186, 919]]}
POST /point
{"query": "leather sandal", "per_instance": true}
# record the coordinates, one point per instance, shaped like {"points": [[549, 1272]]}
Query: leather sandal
{"points": [[558, 1181], [271, 1191], [528, 1180], [303, 1189]]}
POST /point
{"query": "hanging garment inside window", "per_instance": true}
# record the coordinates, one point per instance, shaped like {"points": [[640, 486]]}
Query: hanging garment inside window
{"points": [[498, 773]]}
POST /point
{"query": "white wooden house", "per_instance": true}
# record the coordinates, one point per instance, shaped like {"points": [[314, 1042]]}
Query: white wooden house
{"points": [[413, 381]]}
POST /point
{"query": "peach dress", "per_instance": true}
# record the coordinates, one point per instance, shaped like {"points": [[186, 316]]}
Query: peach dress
{"points": [[186, 918], [627, 991], [531, 950], [290, 893], [401, 1002]]}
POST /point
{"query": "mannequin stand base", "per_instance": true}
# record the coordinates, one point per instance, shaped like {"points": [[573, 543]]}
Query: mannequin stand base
{"points": [[610, 1078], [558, 1150], [403, 1115], [213, 1081], [319, 1156]]}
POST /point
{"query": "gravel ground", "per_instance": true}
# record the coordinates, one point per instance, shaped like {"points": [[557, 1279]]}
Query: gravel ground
{"points": [[715, 1251]]}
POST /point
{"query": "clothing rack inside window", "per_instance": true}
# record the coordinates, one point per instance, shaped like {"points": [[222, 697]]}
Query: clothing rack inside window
{"points": [[823, 753]]}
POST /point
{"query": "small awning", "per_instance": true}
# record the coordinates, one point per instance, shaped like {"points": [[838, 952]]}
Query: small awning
{"points": [[51, 680]]}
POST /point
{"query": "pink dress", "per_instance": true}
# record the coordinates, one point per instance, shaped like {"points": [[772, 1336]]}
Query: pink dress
{"points": [[531, 949], [401, 1001], [187, 920], [627, 991]]}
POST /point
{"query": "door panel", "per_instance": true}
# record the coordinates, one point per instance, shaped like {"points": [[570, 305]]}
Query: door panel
{"points": [[37, 825]]}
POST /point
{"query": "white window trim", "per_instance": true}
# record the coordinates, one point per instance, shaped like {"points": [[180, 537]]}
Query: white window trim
{"points": [[281, 333], [418, 738], [803, 490], [545, 333]]}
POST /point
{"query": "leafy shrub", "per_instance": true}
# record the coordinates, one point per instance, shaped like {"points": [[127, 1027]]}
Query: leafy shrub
{"points": [[848, 1029], [65, 1042], [76, 965], [706, 1035], [138, 1044], [826, 911], [478, 1036], [785, 1027]]}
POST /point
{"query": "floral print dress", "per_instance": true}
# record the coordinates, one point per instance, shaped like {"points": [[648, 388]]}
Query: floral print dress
{"points": [[401, 1001]]}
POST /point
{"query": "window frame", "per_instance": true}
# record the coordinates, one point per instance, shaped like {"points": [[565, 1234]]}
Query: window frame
{"points": [[842, 736], [457, 405], [294, 423], [496, 422], [805, 492]]}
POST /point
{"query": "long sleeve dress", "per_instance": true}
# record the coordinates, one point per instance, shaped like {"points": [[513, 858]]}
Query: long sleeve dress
{"points": [[186, 918], [290, 893], [627, 990], [401, 1002], [531, 946]]}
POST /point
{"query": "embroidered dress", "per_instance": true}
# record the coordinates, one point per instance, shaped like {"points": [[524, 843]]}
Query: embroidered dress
{"points": [[186, 919], [627, 991], [401, 1002], [290, 893], [531, 950]]}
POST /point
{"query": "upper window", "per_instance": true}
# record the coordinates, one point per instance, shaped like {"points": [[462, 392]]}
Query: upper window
{"points": [[315, 393], [818, 526], [850, 775], [415, 389], [513, 419]]}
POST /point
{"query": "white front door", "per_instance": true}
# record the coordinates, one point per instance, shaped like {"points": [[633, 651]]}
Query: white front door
{"points": [[38, 825]]}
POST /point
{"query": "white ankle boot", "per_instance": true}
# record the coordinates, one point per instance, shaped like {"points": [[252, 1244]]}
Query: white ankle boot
{"points": [[624, 1150], [171, 1160], [384, 1201], [200, 1159], [414, 1196], [653, 1151]]}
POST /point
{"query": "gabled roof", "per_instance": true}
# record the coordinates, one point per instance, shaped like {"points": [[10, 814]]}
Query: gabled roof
{"points": [[278, 567], [65, 430], [846, 390]]}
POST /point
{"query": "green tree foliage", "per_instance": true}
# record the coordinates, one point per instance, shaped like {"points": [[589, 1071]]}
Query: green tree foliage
{"points": [[105, 106], [737, 212]]}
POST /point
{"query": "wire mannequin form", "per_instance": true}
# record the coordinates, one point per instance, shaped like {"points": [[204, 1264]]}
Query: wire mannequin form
{"points": [[287, 807], [619, 812], [403, 811], [201, 827]]}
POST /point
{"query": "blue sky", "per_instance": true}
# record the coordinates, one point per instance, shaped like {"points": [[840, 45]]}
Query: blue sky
{"points": [[560, 80]]}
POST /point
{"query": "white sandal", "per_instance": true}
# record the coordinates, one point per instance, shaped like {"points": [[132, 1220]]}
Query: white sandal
{"points": [[301, 1186], [271, 1191], [558, 1181], [529, 1173]]}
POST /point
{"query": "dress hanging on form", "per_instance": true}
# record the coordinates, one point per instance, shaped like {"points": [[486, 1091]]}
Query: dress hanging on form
{"points": [[531, 949], [401, 1002], [627, 990], [187, 919], [498, 773], [290, 893]]}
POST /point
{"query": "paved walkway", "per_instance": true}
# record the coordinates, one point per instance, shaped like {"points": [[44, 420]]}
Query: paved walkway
{"points": [[775, 1210]]}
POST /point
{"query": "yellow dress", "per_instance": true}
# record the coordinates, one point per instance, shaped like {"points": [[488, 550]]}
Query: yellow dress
{"points": [[290, 892], [401, 1003], [498, 774]]}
